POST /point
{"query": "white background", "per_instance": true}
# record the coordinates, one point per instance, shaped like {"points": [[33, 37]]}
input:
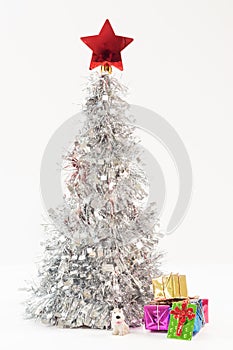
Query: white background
{"points": [[180, 66]]}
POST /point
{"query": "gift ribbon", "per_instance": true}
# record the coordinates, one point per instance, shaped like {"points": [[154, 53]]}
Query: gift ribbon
{"points": [[160, 316], [158, 320], [165, 284], [181, 314]]}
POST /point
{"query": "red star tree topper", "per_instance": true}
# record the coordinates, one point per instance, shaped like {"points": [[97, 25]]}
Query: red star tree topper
{"points": [[106, 47]]}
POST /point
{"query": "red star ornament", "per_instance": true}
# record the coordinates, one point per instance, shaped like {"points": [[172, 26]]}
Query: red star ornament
{"points": [[106, 47]]}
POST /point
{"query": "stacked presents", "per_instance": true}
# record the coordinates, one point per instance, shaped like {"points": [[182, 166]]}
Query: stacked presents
{"points": [[173, 311]]}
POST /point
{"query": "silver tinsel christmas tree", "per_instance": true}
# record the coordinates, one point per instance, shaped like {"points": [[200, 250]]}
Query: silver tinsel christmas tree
{"points": [[102, 249]]}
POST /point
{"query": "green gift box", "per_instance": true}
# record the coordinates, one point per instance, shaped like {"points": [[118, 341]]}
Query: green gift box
{"points": [[182, 319]]}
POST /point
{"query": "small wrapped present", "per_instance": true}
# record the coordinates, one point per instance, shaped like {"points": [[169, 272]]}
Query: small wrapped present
{"points": [[205, 304], [200, 318], [156, 317], [182, 319], [170, 287]]}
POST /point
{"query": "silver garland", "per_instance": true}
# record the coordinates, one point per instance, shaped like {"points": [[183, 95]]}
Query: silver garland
{"points": [[102, 248]]}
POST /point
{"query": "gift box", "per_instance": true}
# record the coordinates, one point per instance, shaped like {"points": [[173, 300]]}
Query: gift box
{"points": [[200, 318], [170, 287], [156, 317], [205, 304], [182, 320]]}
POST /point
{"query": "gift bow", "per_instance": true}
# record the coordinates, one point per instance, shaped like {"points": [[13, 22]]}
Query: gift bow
{"points": [[181, 314]]}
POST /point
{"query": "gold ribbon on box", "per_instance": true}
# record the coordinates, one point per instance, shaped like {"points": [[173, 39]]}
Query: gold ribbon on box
{"points": [[170, 286]]}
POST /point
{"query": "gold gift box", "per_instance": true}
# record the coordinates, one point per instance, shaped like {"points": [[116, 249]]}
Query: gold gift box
{"points": [[170, 286]]}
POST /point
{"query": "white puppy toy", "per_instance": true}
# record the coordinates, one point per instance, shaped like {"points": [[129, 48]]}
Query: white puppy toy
{"points": [[118, 323]]}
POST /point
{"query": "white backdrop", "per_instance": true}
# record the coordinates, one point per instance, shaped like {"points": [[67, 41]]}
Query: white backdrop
{"points": [[179, 65]]}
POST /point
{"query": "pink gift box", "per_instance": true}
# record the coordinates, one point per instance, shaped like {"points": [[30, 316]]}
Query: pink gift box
{"points": [[156, 317], [205, 304]]}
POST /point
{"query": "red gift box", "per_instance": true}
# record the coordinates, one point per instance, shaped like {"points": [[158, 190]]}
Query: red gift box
{"points": [[205, 304]]}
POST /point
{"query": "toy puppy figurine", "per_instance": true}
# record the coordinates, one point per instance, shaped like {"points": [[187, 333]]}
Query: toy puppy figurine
{"points": [[118, 322]]}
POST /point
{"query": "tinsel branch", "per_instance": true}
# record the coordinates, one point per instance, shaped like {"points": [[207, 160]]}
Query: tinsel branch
{"points": [[102, 248]]}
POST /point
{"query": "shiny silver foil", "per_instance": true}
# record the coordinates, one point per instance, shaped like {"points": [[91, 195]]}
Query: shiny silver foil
{"points": [[102, 248]]}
